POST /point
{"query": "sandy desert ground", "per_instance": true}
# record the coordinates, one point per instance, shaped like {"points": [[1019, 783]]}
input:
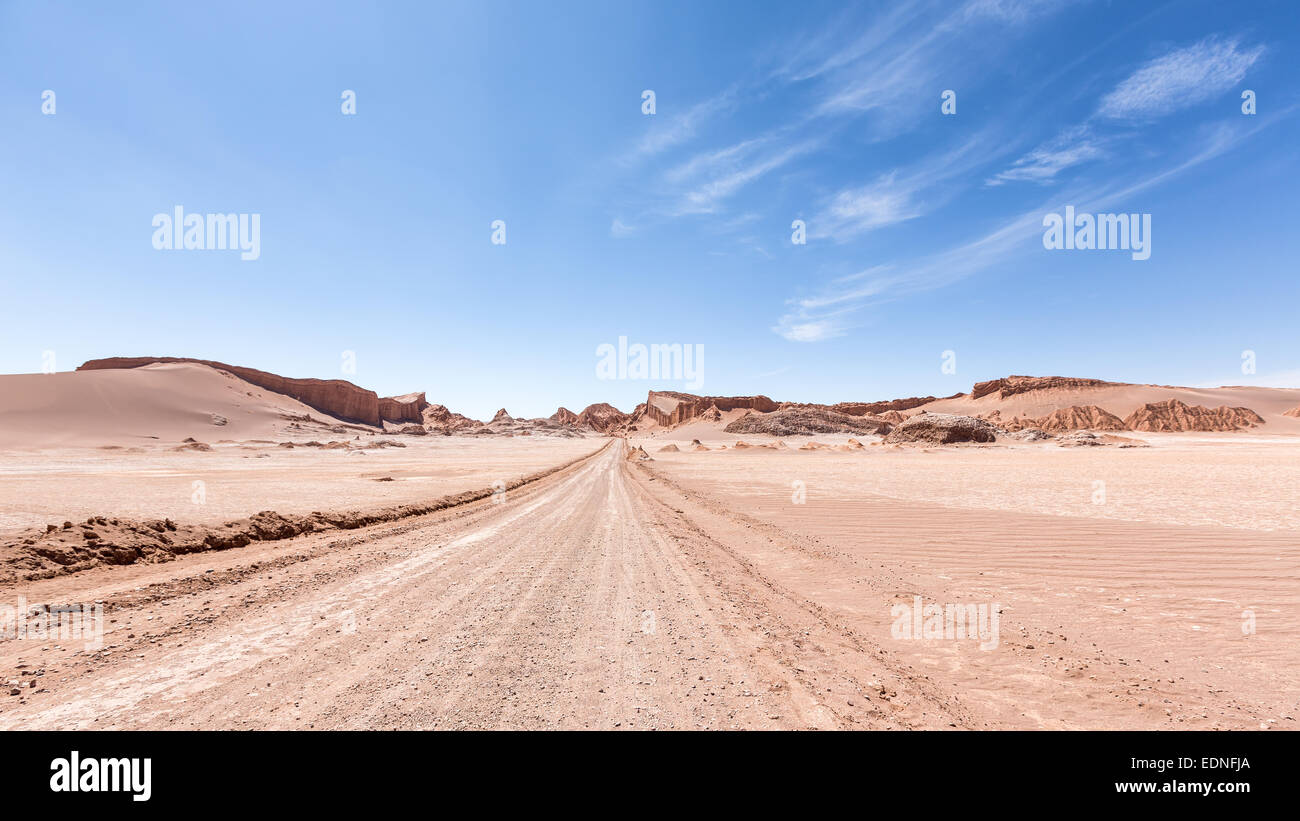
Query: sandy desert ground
{"points": [[1127, 611], [702, 587]]}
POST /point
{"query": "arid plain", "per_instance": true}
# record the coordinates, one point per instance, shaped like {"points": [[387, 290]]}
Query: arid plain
{"points": [[299, 553]]}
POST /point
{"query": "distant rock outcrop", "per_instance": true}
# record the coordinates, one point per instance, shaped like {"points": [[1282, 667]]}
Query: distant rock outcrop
{"points": [[1293, 412], [1174, 415], [670, 408], [602, 417], [501, 416], [1078, 417], [942, 429], [564, 416], [440, 420], [1012, 385], [890, 406], [406, 408], [806, 421]]}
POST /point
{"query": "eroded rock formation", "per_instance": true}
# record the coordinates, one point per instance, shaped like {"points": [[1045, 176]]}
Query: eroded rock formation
{"points": [[406, 408], [1173, 415], [671, 408], [942, 429], [564, 416], [806, 421], [1012, 385], [602, 417]]}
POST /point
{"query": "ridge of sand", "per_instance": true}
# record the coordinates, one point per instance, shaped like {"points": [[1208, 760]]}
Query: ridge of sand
{"points": [[124, 407]]}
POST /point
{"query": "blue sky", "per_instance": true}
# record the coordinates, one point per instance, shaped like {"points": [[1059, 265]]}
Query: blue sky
{"points": [[924, 230]]}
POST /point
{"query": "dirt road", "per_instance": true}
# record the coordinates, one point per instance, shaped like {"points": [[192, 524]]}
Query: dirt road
{"points": [[590, 599]]}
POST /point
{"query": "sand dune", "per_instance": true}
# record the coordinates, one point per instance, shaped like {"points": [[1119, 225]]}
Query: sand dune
{"points": [[166, 402]]}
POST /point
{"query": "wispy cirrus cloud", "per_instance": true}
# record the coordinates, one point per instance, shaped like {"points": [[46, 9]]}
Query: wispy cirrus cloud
{"points": [[909, 55], [827, 314], [886, 201], [1011, 11], [677, 129], [723, 173], [904, 194], [1068, 149], [1182, 78], [894, 66]]}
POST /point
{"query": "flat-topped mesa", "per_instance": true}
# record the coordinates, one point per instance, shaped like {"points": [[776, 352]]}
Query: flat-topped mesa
{"points": [[671, 408], [336, 397], [405, 408], [602, 417]]}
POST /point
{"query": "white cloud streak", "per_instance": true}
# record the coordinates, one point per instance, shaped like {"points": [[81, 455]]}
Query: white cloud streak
{"points": [[1181, 78]]}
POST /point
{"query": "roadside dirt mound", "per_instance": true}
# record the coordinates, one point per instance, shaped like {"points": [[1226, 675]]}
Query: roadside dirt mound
{"points": [[100, 540], [1175, 416], [190, 444], [814, 446], [638, 454], [1293, 412], [942, 429], [670, 449], [806, 421]]}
